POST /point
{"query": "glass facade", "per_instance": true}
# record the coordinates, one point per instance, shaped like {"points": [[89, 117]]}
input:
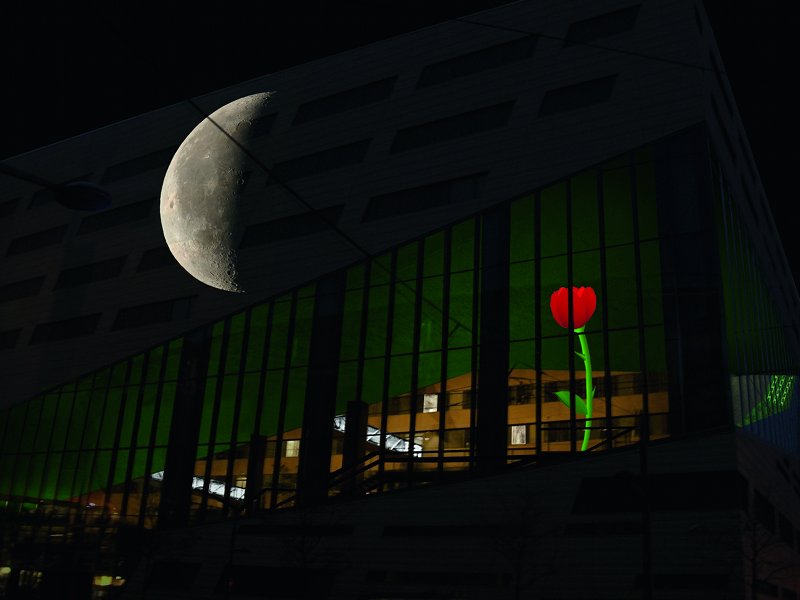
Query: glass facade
{"points": [[763, 378], [445, 355]]}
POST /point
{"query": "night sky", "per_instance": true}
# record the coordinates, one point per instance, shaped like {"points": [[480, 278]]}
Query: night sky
{"points": [[72, 70]]}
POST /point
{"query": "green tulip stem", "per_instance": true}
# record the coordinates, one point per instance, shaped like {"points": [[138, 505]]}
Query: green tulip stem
{"points": [[587, 362]]}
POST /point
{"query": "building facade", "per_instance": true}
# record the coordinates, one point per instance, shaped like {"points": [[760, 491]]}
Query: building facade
{"points": [[404, 336]]}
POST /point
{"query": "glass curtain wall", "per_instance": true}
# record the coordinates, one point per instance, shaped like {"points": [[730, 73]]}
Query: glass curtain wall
{"points": [[409, 356], [763, 384]]}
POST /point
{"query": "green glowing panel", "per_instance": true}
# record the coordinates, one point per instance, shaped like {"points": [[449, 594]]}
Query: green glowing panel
{"points": [[256, 337], [174, 360], [521, 356], [121, 466], [129, 415], [233, 356], [49, 489], [621, 279], [522, 246], [295, 399], [108, 430], [101, 379], [617, 203], [372, 381], [247, 412], [46, 422], [461, 313], [380, 269], [776, 398], [554, 276], [154, 364], [430, 326], [459, 362], [118, 373], [227, 404], [433, 263], [159, 460], [273, 386], [31, 424], [403, 319], [79, 413], [399, 376], [166, 405], [522, 324], [66, 475], [216, 347], [301, 344], [20, 468], [61, 420], [351, 324], [100, 471], [147, 414], [346, 385], [208, 410], [280, 332], [428, 370], [35, 474]]}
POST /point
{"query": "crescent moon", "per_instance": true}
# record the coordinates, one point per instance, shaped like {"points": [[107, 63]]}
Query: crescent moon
{"points": [[201, 198]]}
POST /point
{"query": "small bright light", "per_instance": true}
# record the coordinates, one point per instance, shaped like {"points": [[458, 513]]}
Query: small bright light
{"points": [[5, 571], [102, 580]]}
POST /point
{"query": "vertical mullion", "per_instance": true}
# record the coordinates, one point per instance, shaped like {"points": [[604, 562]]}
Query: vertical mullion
{"points": [[607, 385], [38, 420], [118, 433], [647, 582], [639, 301], [287, 364], [476, 312], [264, 363], [362, 344], [442, 402], [153, 427], [137, 418], [386, 365], [212, 434], [237, 409], [66, 436], [573, 431], [537, 303], [255, 436], [83, 438], [96, 444], [413, 400]]}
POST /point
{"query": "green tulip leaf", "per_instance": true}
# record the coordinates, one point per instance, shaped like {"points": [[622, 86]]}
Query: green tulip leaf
{"points": [[580, 405]]}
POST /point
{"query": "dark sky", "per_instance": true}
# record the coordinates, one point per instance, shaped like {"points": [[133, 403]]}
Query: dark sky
{"points": [[74, 69]]}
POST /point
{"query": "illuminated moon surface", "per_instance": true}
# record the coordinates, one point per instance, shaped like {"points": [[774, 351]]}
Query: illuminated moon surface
{"points": [[201, 199]]}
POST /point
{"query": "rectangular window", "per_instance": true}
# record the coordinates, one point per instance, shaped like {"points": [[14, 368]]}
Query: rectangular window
{"points": [[65, 329], [451, 128], [595, 28], [353, 98], [106, 269], [291, 227], [480, 60], [292, 448], [577, 95], [155, 258], [21, 289], [320, 162], [430, 403], [154, 160], [34, 241], [519, 435], [123, 215], [153, 313], [441, 193]]}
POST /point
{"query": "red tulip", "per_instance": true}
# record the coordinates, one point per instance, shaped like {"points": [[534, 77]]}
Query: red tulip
{"points": [[584, 303]]}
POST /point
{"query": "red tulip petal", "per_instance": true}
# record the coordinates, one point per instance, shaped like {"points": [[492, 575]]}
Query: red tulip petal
{"points": [[559, 307]]}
